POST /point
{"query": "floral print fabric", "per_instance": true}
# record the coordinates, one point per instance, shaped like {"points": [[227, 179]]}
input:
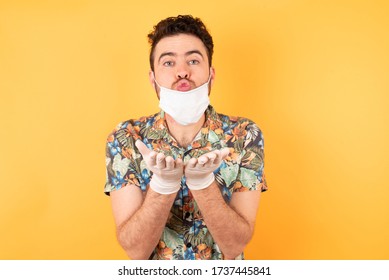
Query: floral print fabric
{"points": [[186, 235]]}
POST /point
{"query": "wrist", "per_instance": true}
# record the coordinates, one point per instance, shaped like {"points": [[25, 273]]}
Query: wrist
{"points": [[164, 186], [200, 183]]}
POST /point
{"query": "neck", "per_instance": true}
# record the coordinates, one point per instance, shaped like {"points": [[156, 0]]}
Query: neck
{"points": [[184, 134]]}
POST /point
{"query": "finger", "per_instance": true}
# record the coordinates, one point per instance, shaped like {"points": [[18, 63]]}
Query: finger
{"points": [[142, 148], [203, 159], [211, 157], [224, 152], [161, 161], [217, 157], [169, 162], [179, 163], [221, 154], [192, 163], [152, 158]]}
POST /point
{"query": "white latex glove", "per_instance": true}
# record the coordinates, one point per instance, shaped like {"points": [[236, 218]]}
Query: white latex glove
{"points": [[199, 171], [167, 172]]}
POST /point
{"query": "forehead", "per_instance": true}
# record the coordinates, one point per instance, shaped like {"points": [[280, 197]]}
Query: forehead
{"points": [[179, 44]]}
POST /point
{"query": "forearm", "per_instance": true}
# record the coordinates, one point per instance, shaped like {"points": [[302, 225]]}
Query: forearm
{"points": [[141, 232], [230, 231]]}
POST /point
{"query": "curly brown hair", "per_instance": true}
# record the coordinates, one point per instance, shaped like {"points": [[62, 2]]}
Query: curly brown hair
{"points": [[182, 24]]}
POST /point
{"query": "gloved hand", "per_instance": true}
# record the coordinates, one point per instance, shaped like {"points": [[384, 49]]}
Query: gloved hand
{"points": [[199, 171], [167, 172]]}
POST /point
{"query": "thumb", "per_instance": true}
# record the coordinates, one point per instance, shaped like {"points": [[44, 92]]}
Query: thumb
{"points": [[224, 153], [142, 148]]}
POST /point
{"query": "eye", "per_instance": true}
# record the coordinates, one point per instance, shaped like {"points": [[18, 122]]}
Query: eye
{"points": [[193, 62], [168, 63]]}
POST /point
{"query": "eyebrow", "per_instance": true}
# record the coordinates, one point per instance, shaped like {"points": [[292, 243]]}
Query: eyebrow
{"points": [[175, 54]]}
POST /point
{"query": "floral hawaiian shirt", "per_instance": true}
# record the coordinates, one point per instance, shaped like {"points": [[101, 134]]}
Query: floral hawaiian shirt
{"points": [[186, 235]]}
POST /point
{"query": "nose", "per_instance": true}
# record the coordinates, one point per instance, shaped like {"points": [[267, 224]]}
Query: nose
{"points": [[182, 75], [182, 72]]}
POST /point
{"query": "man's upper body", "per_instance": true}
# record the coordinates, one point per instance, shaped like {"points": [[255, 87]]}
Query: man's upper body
{"points": [[184, 183]]}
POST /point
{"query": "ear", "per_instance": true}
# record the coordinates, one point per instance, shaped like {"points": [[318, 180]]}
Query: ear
{"points": [[151, 79], [152, 82], [213, 74]]}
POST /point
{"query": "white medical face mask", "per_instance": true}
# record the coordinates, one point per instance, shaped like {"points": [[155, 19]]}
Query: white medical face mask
{"points": [[185, 107]]}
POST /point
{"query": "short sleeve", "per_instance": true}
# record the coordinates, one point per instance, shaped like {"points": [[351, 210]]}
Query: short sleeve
{"points": [[251, 175], [123, 161]]}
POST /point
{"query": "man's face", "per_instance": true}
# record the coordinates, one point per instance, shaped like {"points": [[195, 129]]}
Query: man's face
{"points": [[180, 63]]}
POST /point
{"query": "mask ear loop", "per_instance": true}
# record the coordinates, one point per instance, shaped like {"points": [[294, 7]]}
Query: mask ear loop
{"points": [[155, 80]]}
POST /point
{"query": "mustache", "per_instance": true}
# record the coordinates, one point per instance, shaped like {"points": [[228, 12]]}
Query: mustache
{"points": [[192, 83]]}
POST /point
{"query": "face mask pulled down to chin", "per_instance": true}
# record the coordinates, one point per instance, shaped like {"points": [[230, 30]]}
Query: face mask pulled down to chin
{"points": [[185, 107]]}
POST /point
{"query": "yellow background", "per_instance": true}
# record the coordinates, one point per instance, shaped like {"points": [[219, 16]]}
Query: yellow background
{"points": [[312, 74]]}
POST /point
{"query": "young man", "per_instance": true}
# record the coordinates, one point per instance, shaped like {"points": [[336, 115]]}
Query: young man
{"points": [[185, 182]]}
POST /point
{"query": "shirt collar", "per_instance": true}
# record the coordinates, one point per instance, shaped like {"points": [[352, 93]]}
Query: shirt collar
{"points": [[209, 135]]}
